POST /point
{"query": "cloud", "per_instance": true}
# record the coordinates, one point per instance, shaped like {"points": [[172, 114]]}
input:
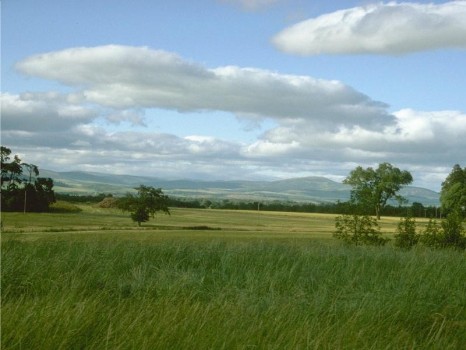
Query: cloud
{"points": [[133, 116], [50, 126], [43, 112], [138, 77], [414, 137], [392, 28], [428, 143], [317, 124]]}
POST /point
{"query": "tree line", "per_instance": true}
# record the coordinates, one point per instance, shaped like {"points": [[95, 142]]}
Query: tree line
{"points": [[417, 209], [373, 189], [21, 187]]}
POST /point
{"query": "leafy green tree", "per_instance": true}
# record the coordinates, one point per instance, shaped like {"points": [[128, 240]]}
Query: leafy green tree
{"points": [[358, 230], [33, 170], [43, 194], [23, 191], [450, 233], [432, 234], [140, 215], [453, 231], [406, 236], [372, 188], [146, 203], [418, 209], [10, 171], [453, 193]]}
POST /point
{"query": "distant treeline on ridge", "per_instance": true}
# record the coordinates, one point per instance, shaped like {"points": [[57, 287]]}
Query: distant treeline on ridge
{"points": [[416, 209]]}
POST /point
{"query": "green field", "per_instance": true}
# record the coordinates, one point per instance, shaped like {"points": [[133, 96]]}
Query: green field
{"points": [[215, 279]]}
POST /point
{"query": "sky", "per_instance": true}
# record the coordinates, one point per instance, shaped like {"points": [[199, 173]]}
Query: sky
{"points": [[235, 89]]}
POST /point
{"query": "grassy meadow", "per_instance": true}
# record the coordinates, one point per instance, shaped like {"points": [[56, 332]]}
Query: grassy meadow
{"points": [[218, 279]]}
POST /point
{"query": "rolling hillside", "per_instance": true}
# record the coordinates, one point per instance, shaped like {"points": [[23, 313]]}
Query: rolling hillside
{"points": [[307, 189]]}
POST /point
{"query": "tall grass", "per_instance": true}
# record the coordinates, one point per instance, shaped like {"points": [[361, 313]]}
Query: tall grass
{"points": [[224, 294]]}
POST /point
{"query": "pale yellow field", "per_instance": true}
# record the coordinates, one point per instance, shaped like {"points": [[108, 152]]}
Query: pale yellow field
{"points": [[182, 223]]}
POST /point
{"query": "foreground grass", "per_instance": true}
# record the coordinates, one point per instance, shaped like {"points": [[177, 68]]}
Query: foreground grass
{"points": [[183, 294], [264, 281]]}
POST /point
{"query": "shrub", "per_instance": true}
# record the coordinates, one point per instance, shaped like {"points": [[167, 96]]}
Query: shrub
{"points": [[358, 230], [431, 236], [449, 234], [453, 231], [406, 236]]}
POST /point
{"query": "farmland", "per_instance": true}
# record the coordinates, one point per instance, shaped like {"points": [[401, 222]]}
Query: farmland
{"points": [[223, 280]]}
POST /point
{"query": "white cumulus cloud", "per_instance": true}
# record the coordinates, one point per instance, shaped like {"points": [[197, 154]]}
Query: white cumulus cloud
{"points": [[139, 77], [317, 124], [415, 137], [42, 112], [391, 28]]}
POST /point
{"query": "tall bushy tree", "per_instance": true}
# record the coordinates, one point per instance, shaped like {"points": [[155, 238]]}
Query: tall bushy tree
{"points": [[406, 236], [432, 234], [450, 233], [358, 230], [147, 202], [453, 193], [11, 170], [372, 188], [21, 188], [453, 231]]}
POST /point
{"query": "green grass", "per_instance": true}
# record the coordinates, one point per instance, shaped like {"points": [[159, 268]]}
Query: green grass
{"points": [[94, 280]]}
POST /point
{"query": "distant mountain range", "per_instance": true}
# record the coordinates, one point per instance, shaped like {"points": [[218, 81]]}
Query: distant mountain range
{"points": [[306, 189]]}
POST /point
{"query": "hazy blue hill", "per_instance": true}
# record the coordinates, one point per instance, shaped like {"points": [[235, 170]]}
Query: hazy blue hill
{"points": [[200, 184], [421, 195], [306, 189], [311, 182]]}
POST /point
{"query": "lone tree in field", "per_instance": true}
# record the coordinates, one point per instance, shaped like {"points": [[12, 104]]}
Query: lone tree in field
{"points": [[146, 203], [372, 188], [453, 194]]}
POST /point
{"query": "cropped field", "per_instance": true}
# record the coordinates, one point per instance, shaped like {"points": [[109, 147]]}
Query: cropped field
{"points": [[211, 279]]}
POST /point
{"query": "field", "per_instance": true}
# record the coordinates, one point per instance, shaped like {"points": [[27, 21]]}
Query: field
{"points": [[215, 279]]}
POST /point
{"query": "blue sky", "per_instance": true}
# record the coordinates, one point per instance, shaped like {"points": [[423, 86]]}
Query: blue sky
{"points": [[235, 89]]}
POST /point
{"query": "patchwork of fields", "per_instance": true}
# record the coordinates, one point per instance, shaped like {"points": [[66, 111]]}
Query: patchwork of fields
{"points": [[182, 223], [218, 279]]}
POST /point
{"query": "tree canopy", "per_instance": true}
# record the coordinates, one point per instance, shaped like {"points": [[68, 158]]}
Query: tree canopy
{"points": [[372, 188], [147, 202], [22, 188], [453, 193]]}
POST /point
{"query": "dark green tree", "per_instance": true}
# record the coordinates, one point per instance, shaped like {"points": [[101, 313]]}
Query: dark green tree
{"points": [[358, 230], [372, 188], [32, 170], [453, 231], [450, 233], [140, 215], [43, 194], [406, 236], [432, 234], [453, 193], [146, 203], [10, 170], [21, 188]]}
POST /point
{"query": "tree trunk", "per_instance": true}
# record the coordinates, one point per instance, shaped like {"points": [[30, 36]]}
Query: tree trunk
{"points": [[25, 199], [377, 212]]}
